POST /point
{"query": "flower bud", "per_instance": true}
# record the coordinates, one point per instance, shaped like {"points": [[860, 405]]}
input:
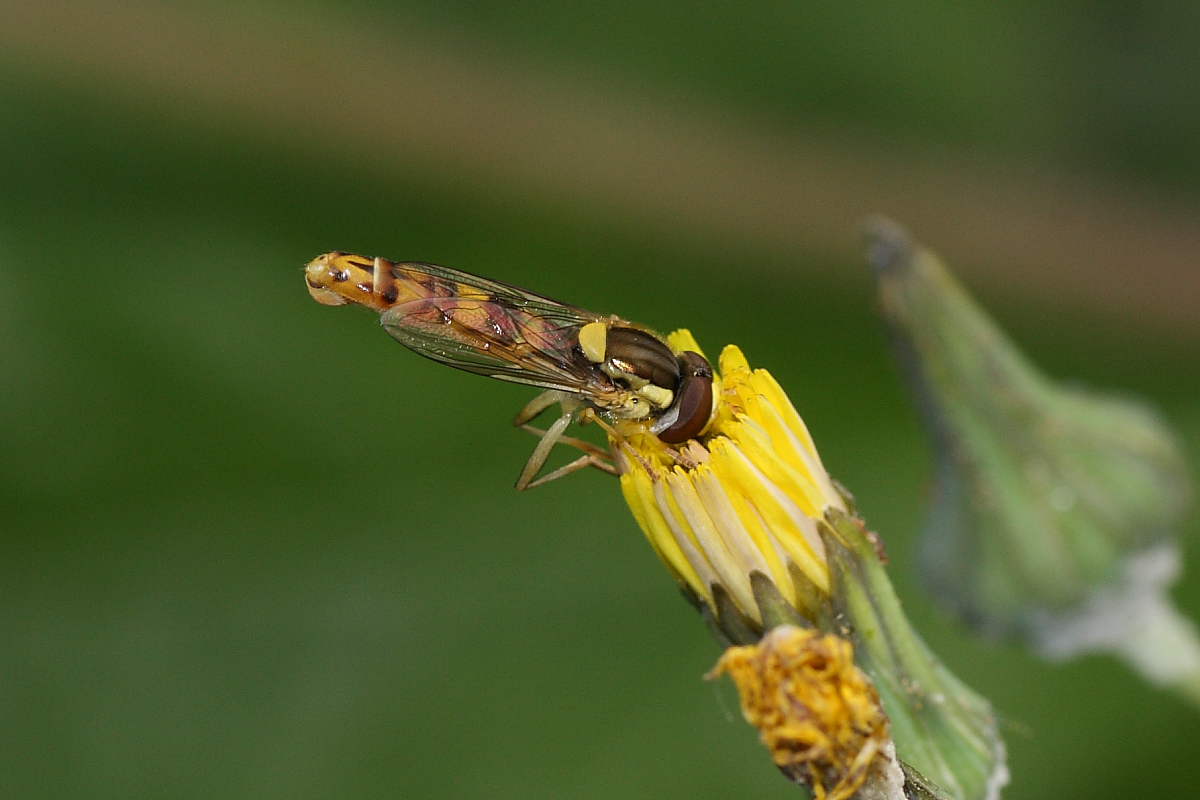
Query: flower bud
{"points": [[1054, 511]]}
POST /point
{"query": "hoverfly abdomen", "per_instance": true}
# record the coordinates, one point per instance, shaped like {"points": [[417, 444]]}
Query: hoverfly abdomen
{"points": [[336, 278]]}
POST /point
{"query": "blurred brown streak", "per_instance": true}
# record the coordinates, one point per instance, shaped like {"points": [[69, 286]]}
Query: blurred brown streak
{"points": [[426, 101]]}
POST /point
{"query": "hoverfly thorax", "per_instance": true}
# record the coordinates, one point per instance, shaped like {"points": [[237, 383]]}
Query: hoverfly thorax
{"points": [[590, 364], [676, 388]]}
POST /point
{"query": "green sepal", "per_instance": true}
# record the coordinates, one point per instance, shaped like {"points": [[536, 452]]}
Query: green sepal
{"points": [[773, 606], [811, 600], [707, 614], [734, 626]]}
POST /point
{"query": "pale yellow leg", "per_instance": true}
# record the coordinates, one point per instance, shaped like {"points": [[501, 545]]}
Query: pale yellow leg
{"points": [[593, 456], [566, 469], [537, 405], [571, 441], [537, 459]]}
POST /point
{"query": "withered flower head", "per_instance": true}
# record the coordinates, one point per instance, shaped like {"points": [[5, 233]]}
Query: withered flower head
{"points": [[818, 714]]}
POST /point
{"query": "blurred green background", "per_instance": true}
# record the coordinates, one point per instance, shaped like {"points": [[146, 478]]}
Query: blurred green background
{"points": [[252, 548]]}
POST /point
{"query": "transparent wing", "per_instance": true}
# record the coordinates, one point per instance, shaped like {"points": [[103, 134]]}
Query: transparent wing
{"points": [[457, 283], [493, 329]]}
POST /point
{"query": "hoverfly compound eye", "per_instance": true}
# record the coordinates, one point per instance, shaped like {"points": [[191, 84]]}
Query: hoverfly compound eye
{"points": [[693, 405]]}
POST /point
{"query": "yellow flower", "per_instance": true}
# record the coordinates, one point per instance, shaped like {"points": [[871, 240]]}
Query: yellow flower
{"points": [[817, 713], [743, 498]]}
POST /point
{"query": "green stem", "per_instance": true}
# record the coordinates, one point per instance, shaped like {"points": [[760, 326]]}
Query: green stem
{"points": [[939, 725]]}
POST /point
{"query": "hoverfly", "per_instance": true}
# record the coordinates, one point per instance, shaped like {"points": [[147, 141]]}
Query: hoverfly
{"points": [[596, 367]]}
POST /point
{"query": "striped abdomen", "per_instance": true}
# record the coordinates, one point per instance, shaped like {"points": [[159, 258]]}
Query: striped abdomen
{"points": [[335, 279]]}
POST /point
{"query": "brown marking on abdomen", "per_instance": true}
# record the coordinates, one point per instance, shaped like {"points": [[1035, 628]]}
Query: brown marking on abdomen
{"points": [[385, 282]]}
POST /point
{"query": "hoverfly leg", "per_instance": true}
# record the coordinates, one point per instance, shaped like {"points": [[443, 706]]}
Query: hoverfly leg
{"points": [[627, 451], [579, 444], [536, 406], [589, 415], [594, 456], [537, 459], [605, 464], [566, 469]]}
